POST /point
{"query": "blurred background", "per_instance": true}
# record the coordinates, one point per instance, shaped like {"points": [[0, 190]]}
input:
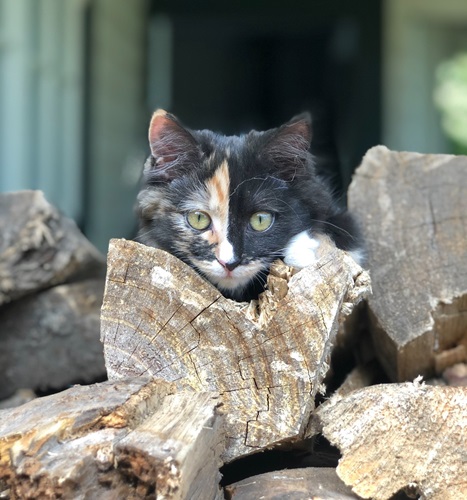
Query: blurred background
{"points": [[79, 80]]}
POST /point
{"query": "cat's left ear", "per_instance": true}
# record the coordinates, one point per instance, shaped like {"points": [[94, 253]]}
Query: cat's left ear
{"points": [[287, 146]]}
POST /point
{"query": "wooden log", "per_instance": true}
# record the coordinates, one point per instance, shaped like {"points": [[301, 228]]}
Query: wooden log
{"points": [[310, 482], [398, 436], [412, 209], [40, 247], [128, 439], [176, 451], [51, 340], [266, 359]]}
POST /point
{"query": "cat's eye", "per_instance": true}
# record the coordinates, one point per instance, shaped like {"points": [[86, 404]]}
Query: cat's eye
{"points": [[260, 221], [198, 220]]}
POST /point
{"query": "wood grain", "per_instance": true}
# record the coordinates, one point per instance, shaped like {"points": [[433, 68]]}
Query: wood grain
{"points": [[128, 439], [413, 212], [398, 436], [267, 360]]}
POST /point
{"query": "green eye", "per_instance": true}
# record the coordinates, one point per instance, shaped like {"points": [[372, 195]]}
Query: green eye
{"points": [[198, 220], [260, 221]]}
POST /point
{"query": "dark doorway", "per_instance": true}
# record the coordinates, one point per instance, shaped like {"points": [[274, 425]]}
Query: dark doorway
{"points": [[256, 64]]}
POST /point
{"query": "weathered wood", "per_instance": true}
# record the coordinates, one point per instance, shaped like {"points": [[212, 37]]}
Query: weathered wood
{"points": [[51, 339], [177, 449], [395, 436], [128, 439], [39, 247], [294, 484], [268, 361], [413, 212]]}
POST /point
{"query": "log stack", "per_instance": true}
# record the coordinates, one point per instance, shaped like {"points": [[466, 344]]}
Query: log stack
{"points": [[203, 391], [51, 289]]}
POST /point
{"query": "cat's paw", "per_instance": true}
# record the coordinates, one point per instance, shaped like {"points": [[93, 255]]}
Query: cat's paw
{"points": [[301, 251]]}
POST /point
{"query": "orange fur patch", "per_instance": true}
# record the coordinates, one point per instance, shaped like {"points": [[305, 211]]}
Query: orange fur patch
{"points": [[218, 187]]}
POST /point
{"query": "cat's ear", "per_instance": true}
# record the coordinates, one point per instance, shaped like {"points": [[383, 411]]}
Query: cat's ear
{"points": [[287, 146], [173, 149]]}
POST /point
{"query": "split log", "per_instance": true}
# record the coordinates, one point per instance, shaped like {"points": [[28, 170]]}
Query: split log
{"points": [[51, 340], [412, 209], [40, 247], [316, 483], [127, 439], [267, 360], [398, 436]]}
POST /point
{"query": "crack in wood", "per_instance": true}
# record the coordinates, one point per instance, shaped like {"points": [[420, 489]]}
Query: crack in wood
{"points": [[250, 366]]}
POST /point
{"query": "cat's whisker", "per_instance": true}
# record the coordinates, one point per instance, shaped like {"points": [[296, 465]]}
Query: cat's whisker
{"points": [[249, 180], [146, 233], [342, 230], [290, 206]]}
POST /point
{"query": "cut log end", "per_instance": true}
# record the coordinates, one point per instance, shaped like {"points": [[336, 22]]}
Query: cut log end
{"points": [[267, 359], [411, 208]]}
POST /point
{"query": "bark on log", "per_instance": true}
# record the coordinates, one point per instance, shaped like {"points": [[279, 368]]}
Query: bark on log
{"points": [[295, 484], [40, 247], [413, 212], [51, 340], [127, 439], [159, 317], [398, 436]]}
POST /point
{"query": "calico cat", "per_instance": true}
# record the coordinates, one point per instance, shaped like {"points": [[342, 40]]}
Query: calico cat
{"points": [[229, 206]]}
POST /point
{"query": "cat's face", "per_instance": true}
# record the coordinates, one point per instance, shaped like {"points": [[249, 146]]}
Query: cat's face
{"points": [[227, 206]]}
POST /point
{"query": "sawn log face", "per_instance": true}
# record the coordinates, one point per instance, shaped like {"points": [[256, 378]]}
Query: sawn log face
{"points": [[160, 318], [412, 209]]}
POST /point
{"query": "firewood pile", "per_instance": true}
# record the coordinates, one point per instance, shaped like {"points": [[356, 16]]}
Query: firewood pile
{"points": [[51, 287], [328, 386]]}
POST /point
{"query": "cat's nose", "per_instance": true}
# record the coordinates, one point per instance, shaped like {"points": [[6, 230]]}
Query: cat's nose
{"points": [[230, 266]]}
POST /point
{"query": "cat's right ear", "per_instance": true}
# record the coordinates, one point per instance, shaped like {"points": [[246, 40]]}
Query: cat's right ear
{"points": [[173, 149]]}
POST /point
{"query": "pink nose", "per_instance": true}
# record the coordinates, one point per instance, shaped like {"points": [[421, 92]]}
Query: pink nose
{"points": [[230, 266]]}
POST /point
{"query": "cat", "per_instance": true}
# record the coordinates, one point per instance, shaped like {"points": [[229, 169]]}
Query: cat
{"points": [[230, 205]]}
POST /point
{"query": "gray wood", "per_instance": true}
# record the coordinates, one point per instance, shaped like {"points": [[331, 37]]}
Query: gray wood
{"points": [[413, 212], [294, 484], [398, 436], [267, 359], [51, 339], [39, 247]]}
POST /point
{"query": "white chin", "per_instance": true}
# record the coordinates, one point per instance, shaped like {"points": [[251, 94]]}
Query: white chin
{"points": [[240, 277], [229, 283]]}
